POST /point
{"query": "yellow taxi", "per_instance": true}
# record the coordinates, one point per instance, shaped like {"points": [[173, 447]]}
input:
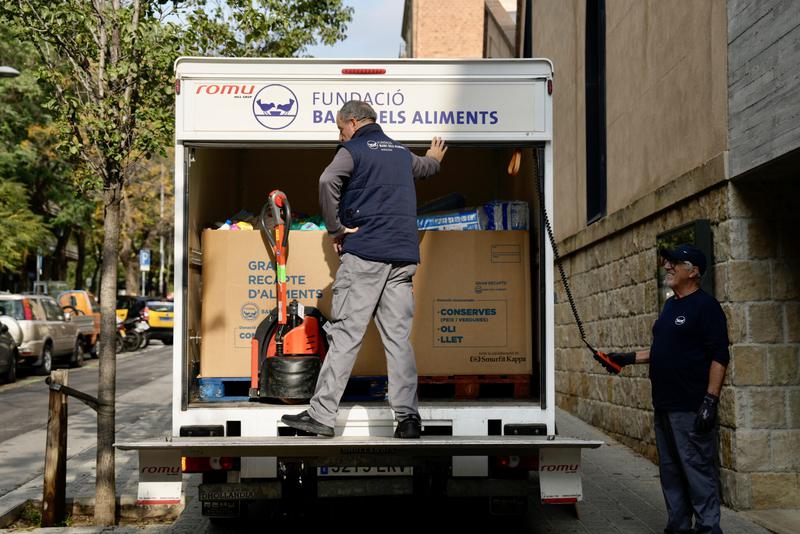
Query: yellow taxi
{"points": [[160, 316]]}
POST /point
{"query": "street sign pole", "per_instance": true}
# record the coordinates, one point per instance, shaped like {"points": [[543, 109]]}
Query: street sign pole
{"points": [[144, 265]]}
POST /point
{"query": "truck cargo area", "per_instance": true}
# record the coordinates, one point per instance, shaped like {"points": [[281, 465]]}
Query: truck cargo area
{"points": [[220, 179]]}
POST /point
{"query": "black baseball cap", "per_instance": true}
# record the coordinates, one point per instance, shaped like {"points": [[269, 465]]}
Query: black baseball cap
{"points": [[688, 253]]}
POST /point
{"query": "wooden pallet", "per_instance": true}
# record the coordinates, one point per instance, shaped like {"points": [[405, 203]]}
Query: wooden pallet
{"points": [[475, 386], [366, 388], [359, 388]]}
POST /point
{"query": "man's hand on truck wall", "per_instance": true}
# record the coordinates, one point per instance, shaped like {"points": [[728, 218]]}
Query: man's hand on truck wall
{"points": [[339, 241], [437, 149]]}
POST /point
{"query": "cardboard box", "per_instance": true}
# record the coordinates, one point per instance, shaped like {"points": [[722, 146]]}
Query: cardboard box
{"points": [[473, 303], [472, 293]]}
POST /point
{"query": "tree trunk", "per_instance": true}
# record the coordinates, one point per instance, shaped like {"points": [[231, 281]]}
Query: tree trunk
{"points": [[81, 242], [98, 261], [104, 512], [132, 282], [55, 269]]}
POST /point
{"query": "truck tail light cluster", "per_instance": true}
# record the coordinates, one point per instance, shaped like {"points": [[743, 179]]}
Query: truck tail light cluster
{"points": [[212, 463], [525, 463]]}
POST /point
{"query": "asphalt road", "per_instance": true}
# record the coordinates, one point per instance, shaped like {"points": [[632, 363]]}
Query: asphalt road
{"points": [[25, 402], [24, 412]]}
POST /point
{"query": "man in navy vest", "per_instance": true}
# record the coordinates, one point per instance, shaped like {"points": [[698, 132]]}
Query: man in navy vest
{"points": [[369, 204]]}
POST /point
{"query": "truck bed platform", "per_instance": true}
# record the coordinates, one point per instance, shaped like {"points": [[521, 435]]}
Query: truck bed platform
{"points": [[349, 446]]}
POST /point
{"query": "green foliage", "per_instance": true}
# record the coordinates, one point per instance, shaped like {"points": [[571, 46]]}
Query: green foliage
{"points": [[21, 230], [262, 28], [110, 68]]}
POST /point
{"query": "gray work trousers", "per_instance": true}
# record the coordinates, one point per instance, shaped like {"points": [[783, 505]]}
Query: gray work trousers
{"points": [[362, 290], [687, 462]]}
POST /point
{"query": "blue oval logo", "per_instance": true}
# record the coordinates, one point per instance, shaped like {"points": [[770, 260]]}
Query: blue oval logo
{"points": [[275, 106]]}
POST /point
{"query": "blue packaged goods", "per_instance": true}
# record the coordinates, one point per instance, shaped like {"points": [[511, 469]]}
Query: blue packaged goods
{"points": [[471, 219], [506, 215], [495, 215]]}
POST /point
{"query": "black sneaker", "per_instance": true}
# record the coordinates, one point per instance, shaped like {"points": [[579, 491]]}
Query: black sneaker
{"points": [[409, 427], [306, 423]]}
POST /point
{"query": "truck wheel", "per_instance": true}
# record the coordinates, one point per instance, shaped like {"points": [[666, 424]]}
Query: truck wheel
{"points": [[167, 340], [47, 361], [77, 354]]}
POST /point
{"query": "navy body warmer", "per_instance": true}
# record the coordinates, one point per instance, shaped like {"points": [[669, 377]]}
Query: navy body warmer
{"points": [[380, 199]]}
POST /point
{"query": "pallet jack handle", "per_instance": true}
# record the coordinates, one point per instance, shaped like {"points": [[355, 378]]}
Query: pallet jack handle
{"points": [[279, 219], [281, 214]]}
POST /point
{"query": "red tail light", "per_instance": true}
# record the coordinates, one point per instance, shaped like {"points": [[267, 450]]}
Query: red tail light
{"points": [[213, 463], [363, 71], [521, 463], [26, 309]]}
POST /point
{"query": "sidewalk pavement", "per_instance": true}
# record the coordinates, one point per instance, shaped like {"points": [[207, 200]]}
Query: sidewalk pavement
{"points": [[621, 494]]}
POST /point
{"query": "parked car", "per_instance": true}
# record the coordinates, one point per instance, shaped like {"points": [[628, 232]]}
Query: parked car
{"points": [[8, 354], [160, 317], [46, 333], [82, 302]]}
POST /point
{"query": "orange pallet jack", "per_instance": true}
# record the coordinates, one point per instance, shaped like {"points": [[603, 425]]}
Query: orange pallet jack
{"points": [[289, 345]]}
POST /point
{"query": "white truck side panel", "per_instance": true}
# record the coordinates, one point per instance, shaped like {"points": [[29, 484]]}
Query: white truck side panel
{"points": [[293, 100]]}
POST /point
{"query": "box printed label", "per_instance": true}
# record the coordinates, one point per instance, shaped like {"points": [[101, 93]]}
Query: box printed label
{"points": [[242, 336], [470, 323]]}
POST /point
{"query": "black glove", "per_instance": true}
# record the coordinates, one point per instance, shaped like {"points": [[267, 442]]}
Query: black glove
{"points": [[620, 358], [707, 414]]}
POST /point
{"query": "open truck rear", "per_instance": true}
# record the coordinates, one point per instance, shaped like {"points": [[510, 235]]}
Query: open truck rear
{"points": [[483, 330]]}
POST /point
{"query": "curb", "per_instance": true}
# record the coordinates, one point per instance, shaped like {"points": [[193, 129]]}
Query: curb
{"points": [[128, 510]]}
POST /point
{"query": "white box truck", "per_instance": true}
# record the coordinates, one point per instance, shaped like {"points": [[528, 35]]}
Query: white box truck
{"points": [[232, 148]]}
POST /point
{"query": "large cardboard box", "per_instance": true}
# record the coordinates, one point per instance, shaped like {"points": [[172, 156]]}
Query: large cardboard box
{"points": [[472, 293]]}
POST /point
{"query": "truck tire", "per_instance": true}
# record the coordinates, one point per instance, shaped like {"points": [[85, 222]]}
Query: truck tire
{"points": [[77, 358], [47, 361], [167, 340]]}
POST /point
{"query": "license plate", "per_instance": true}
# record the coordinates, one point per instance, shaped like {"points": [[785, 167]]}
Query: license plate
{"points": [[351, 471], [221, 508]]}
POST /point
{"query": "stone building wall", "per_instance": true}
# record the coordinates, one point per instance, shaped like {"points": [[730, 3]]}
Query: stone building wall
{"points": [[756, 230], [760, 283]]}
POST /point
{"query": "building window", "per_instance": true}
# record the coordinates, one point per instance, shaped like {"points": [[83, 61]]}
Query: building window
{"points": [[595, 110]]}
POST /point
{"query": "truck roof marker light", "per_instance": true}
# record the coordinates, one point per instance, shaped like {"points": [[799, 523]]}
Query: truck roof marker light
{"points": [[364, 71], [550, 87]]}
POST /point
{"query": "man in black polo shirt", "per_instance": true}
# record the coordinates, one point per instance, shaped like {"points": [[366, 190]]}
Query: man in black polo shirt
{"points": [[688, 359]]}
